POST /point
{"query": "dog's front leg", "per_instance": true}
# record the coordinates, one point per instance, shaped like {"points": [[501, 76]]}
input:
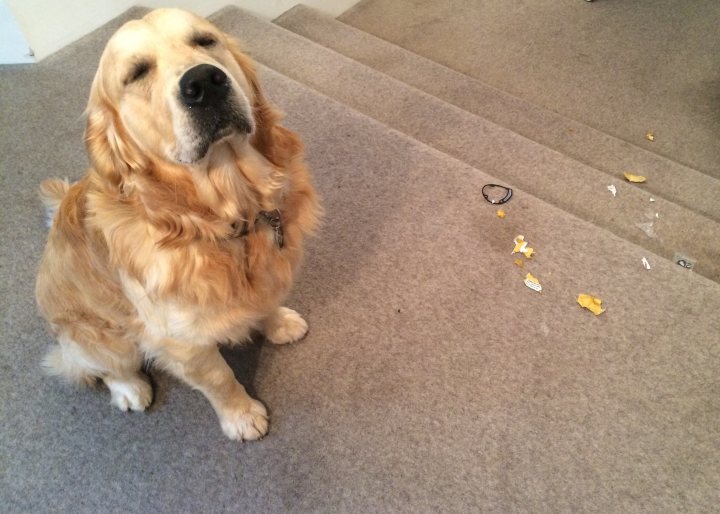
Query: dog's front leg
{"points": [[241, 417]]}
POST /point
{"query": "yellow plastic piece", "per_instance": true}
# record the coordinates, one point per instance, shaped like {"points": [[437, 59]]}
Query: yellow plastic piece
{"points": [[522, 247], [591, 303], [634, 178]]}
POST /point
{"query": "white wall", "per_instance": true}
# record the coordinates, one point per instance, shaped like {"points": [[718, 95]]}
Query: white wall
{"points": [[14, 48], [49, 25]]}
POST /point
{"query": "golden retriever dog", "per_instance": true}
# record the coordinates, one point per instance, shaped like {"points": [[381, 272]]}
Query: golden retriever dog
{"points": [[187, 229]]}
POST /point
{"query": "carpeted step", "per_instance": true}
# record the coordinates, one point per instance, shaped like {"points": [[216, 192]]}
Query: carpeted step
{"points": [[432, 379], [623, 67], [668, 179], [659, 225]]}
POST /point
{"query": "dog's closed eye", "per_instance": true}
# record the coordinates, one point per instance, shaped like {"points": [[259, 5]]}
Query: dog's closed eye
{"points": [[204, 40], [139, 70]]}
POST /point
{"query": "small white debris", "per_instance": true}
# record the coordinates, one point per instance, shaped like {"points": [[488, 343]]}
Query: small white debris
{"points": [[613, 190], [652, 199], [645, 263]]}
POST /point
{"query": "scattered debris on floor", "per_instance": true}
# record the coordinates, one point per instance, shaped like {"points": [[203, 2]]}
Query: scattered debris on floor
{"points": [[500, 213], [496, 194], [645, 263], [638, 179], [521, 246], [650, 136], [590, 303], [613, 190], [533, 283]]}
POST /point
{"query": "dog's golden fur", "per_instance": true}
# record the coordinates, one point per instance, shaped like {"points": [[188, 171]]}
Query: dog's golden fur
{"points": [[143, 260]]}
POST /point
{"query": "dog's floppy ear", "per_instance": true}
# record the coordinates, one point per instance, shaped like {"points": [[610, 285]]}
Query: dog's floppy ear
{"points": [[112, 153], [275, 142]]}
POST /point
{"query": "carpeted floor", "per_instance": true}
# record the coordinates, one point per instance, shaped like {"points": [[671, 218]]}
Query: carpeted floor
{"points": [[432, 379], [678, 225], [625, 68]]}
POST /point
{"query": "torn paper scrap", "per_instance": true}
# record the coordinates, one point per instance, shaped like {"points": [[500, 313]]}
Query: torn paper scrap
{"points": [[533, 283], [634, 178], [613, 190], [522, 247], [645, 263], [591, 303], [500, 213]]}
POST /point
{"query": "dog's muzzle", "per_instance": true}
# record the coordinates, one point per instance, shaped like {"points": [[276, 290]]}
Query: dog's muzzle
{"points": [[212, 105]]}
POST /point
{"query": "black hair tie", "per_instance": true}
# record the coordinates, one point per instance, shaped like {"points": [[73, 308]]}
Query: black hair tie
{"points": [[508, 194]]}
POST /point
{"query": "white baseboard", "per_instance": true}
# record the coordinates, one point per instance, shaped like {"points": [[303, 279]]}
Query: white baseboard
{"points": [[49, 25]]}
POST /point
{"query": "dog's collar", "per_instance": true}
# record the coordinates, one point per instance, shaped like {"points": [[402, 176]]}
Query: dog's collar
{"points": [[271, 218]]}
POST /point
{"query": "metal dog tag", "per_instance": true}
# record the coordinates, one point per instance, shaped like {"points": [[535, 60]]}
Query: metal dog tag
{"points": [[274, 219]]}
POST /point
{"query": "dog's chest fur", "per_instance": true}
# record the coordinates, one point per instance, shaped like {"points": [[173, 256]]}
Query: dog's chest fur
{"points": [[193, 279]]}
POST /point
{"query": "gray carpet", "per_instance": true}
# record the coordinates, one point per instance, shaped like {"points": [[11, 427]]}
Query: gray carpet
{"points": [[432, 380], [667, 178], [549, 174], [622, 67]]}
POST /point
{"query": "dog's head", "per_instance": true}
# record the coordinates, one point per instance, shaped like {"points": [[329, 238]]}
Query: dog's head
{"points": [[169, 87]]}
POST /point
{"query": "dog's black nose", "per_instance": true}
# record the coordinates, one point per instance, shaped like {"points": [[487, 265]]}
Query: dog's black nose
{"points": [[204, 85]]}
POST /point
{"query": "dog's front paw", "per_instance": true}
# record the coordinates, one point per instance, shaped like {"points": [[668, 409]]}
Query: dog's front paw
{"points": [[245, 424], [285, 326], [130, 394]]}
